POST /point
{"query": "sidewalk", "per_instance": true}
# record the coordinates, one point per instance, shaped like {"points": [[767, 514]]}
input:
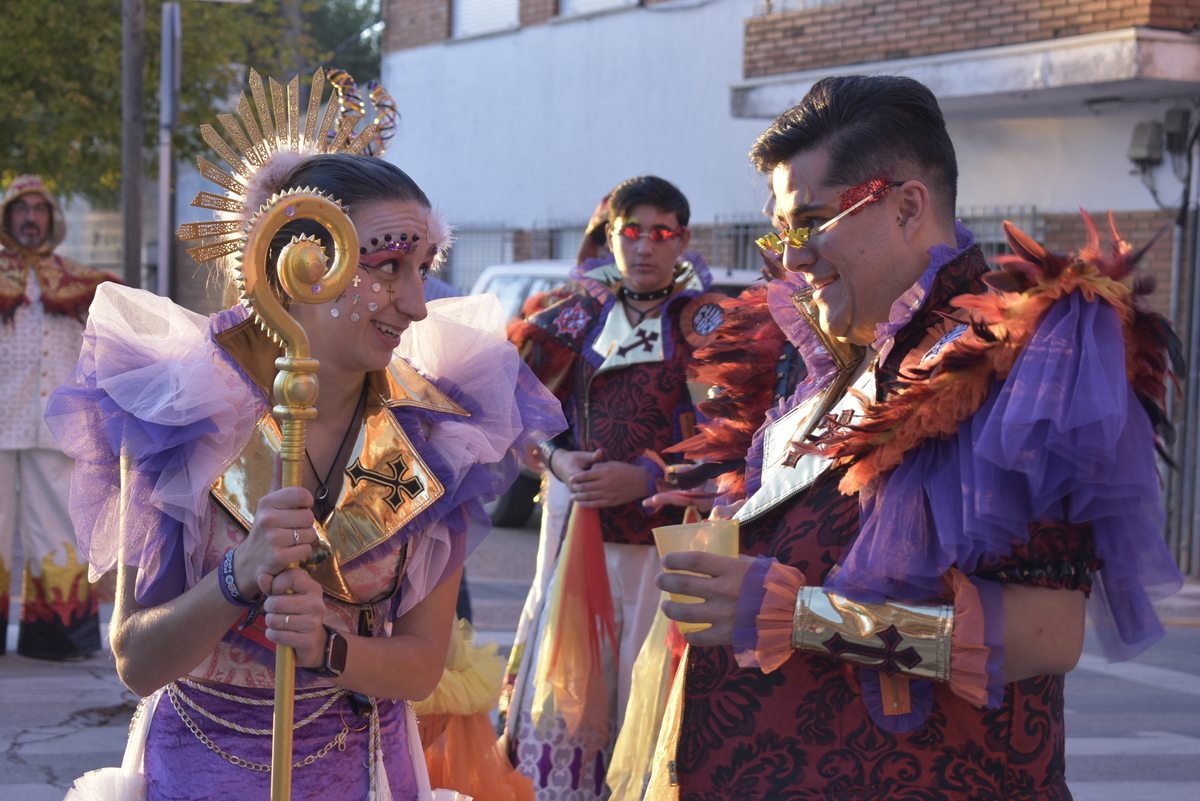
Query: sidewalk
{"points": [[59, 720]]}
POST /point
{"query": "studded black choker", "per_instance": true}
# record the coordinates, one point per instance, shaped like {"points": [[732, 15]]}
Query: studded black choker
{"points": [[657, 294]]}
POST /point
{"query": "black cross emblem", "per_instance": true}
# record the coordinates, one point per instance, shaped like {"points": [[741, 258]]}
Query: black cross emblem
{"points": [[894, 660], [401, 488], [793, 458], [645, 339]]}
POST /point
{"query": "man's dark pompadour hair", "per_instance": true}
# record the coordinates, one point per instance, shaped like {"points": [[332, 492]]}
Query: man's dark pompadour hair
{"points": [[872, 124], [648, 190]]}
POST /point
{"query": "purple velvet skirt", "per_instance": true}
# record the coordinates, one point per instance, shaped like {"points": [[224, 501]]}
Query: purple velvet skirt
{"points": [[179, 767]]}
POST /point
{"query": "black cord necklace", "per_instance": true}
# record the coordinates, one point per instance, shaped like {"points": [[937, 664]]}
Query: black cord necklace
{"points": [[641, 314], [657, 294], [321, 506]]}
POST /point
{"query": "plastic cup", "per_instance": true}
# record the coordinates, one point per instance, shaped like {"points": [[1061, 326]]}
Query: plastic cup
{"points": [[711, 536]]}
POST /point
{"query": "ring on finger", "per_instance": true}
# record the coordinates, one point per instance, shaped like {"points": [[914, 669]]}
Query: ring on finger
{"points": [[295, 537]]}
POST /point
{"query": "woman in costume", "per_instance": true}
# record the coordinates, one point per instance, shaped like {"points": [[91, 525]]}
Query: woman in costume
{"points": [[420, 417]]}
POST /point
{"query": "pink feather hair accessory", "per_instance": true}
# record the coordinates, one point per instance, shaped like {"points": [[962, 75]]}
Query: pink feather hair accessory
{"points": [[269, 178], [441, 233]]}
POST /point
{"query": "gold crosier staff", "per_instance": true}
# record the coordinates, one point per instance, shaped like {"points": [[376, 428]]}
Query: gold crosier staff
{"points": [[303, 275]]}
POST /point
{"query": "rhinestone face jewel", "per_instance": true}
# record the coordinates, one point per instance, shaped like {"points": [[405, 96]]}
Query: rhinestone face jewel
{"points": [[354, 316], [334, 312], [316, 289], [375, 287], [354, 301], [372, 305]]}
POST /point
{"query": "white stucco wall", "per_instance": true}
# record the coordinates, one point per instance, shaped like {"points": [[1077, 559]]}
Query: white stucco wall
{"points": [[1057, 164], [531, 126], [536, 125]]}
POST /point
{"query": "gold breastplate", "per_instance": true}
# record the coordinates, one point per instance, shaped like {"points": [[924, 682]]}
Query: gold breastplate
{"points": [[386, 483]]}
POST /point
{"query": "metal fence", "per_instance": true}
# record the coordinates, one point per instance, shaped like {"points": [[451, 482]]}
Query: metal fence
{"points": [[987, 223], [733, 240], [475, 248]]}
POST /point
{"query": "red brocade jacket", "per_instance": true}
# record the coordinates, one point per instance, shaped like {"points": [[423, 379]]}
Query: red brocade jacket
{"points": [[803, 731], [636, 398]]}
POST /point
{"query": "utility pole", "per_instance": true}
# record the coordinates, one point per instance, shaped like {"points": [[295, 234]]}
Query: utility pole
{"points": [[168, 98], [133, 57]]}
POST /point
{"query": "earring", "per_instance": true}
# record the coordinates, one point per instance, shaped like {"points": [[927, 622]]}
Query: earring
{"points": [[902, 222]]}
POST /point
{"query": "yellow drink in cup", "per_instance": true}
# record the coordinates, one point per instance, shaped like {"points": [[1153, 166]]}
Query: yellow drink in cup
{"points": [[711, 536]]}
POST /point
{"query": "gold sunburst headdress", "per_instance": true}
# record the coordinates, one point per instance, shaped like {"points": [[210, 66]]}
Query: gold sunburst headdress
{"points": [[268, 149]]}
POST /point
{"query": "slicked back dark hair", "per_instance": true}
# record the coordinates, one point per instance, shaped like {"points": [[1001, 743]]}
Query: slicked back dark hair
{"points": [[872, 124], [356, 181], [648, 190]]}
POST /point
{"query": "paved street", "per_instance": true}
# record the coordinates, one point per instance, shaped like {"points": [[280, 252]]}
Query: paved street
{"points": [[1134, 727]]}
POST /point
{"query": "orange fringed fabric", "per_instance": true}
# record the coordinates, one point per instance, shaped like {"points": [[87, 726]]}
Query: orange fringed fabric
{"points": [[775, 619], [933, 402], [581, 620], [465, 757], [740, 363], [968, 653]]}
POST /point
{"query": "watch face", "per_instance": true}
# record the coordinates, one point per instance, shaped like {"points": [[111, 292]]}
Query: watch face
{"points": [[336, 662]]}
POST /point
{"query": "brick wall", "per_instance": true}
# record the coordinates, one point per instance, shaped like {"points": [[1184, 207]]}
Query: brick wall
{"points": [[414, 23], [536, 12], [1066, 232], [863, 31]]}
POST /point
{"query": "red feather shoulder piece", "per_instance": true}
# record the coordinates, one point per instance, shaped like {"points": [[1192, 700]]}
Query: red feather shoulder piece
{"points": [[931, 403], [739, 364]]}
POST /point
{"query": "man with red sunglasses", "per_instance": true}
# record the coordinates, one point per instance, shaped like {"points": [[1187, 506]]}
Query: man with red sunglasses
{"points": [[924, 516], [615, 351]]}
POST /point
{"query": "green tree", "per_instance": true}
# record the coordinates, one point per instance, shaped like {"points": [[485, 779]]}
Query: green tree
{"points": [[61, 101], [348, 34]]}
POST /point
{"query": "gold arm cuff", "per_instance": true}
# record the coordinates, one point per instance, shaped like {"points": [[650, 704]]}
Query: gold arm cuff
{"points": [[913, 639]]}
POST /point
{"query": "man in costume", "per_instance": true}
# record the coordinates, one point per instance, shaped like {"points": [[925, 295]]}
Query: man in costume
{"points": [[614, 350], [43, 300], [923, 562]]}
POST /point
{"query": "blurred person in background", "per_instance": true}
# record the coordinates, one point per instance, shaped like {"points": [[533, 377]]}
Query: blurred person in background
{"points": [[44, 299]]}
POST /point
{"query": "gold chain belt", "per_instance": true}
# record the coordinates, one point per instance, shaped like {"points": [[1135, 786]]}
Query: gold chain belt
{"points": [[333, 693]]}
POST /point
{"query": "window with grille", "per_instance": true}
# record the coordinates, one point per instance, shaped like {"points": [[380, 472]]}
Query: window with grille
{"points": [[476, 17]]}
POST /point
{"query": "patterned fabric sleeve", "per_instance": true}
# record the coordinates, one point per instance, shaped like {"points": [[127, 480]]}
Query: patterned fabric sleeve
{"points": [[548, 358]]}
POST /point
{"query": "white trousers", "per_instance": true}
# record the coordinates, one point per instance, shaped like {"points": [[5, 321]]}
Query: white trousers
{"points": [[631, 572], [59, 617], [41, 506]]}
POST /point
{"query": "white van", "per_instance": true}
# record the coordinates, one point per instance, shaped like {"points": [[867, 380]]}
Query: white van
{"points": [[515, 282]]}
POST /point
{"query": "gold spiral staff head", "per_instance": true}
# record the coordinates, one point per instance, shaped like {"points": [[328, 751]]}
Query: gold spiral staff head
{"points": [[302, 268]]}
